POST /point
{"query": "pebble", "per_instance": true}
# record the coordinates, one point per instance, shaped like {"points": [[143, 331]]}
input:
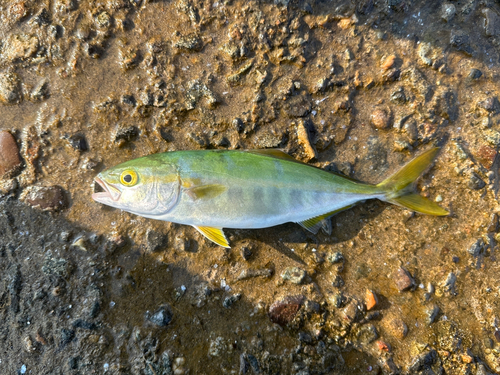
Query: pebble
{"points": [[249, 273], [486, 156], [246, 252], [490, 104], [397, 328], [388, 63], [230, 300], [403, 279], [449, 284], [40, 91], [336, 257], [448, 11], [398, 96], [493, 226], [9, 154], [475, 182], [10, 92], [353, 312], [367, 334], [383, 346], [283, 311], [217, 347], [432, 313], [475, 74], [155, 241], [371, 299], [422, 364], [477, 248], [380, 119], [491, 22], [161, 317], [424, 50], [295, 275], [305, 142], [46, 198], [78, 142], [461, 41]]}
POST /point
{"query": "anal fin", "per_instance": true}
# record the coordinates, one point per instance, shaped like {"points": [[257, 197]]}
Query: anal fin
{"points": [[213, 234], [314, 224]]}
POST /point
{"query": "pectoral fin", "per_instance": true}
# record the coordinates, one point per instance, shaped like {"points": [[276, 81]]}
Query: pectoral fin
{"points": [[314, 224], [214, 234], [206, 191]]}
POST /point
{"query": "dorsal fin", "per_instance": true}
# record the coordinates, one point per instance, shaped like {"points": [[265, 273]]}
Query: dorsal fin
{"points": [[274, 153]]}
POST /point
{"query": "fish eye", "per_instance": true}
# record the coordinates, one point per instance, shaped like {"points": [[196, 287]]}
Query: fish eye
{"points": [[128, 177]]}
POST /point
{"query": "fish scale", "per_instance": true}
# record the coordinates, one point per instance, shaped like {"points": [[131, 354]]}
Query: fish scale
{"points": [[212, 189]]}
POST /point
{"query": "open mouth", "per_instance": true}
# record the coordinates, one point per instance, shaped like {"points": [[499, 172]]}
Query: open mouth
{"points": [[104, 191]]}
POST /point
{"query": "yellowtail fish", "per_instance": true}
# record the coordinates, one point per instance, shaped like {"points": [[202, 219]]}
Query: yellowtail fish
{"points": [[215, 189]]}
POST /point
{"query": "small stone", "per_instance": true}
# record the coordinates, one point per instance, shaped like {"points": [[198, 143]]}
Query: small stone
{"points": [[388, 63], [161, 317], [40, 91], [78, 142], [449, 284], [461, 41], [246, 252], [336, 257], [397, 328], [486, 156], [191, 42], [10, 91], [475, 182], [403, 280], [156, 241], [402, 145], [424, 50], [126, 134], [422, 364], [371, 299], [367, 334], [448, 11], [295, 275], [493, 226], [10, 162], [432, 313], [250, 273], [217, 347], [398, 96], [50, 198], [491, 22], [383, 346], [477, 248], [380, 119], [230, 300], [352, 312], [283, 311], [304, 141], [474, 74], [490, 104]]}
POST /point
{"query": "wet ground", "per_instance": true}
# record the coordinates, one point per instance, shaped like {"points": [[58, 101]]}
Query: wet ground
{"points": [[354, 87]]}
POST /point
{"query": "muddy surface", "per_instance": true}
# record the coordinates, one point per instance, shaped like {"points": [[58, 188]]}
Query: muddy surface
{"points": [[354, 87]]}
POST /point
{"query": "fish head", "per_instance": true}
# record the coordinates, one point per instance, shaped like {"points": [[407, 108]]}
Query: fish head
{"points": [[142, 186]]}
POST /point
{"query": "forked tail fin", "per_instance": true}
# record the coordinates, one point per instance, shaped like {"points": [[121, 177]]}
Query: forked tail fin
{"points": [[400, 186]]}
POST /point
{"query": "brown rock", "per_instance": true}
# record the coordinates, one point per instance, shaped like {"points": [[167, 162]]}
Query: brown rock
{"points": [[370, 299], [380, 119], [403, 279], [284, 310], [383, 346], [486, 156], [397, 328], [9, 88], [303, 138], [388, 63], [9, 154], [51, 198]]}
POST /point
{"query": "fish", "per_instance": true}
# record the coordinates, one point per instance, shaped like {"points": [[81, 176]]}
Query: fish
{"points": [[249, 189]]}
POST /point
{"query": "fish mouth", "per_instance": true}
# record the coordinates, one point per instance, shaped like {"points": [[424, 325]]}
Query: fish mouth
{"points": [[109, 192]]}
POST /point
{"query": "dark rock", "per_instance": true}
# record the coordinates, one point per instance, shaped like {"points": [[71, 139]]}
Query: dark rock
{"points": [[47, 198], [432, 313], [155, 241], [10, 88], [493, 226], [254, 364], [391, 75], [10, 161], [477, 248], [244, 365], [398, 96], [449, 284], [491, 22], [246, 252], [475, 182], [129, 100], [403, 279], [126, 134], [67, 335], [42, 18], [283, 311], [84, 324], [338, 281], [305, 338], [297, 106], [460, 40], [230, 300], [14, 287], [58, 267], [425, 363], [161, 317], [78, 142], [353, 312], [490, 104], [474, 74]]}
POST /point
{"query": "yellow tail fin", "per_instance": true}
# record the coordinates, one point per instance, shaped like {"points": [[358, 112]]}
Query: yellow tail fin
{"points": [[400, 186]]}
